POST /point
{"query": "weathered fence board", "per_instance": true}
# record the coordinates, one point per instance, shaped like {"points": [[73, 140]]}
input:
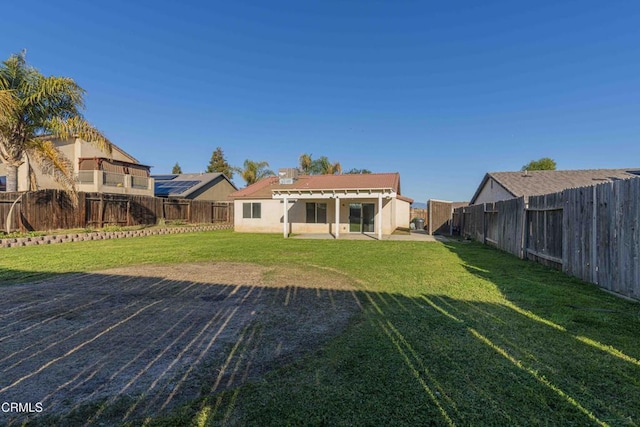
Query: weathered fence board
{"points": [[592, 233], [439, 219], [577, 233], [53, 209], [543, 234], [510, 218]]}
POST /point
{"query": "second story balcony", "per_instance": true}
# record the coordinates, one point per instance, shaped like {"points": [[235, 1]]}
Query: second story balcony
{"points": [[111, 176]]}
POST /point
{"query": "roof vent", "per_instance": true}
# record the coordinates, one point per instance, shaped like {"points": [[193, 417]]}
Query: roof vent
{"points": [[287, 175]]}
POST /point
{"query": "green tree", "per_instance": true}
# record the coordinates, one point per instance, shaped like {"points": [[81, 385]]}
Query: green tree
{"points": [[355, 171], [325, 167], [543, 164], [253, 172], [305, 164], [219, 164], [320, 166], [176, 169], [35, 110]]}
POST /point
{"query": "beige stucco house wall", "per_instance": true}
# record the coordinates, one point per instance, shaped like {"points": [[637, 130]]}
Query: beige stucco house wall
{"points": [[395, 214], [378, 208], [75, 149], [492, 191]]}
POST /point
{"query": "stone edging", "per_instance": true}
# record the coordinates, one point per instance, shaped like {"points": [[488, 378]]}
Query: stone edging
{"points": [[104, 235]]}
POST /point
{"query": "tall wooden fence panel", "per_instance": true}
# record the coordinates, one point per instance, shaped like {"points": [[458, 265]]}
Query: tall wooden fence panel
{"points": [[115, 209], [6, 202], [439, 219], [617, 237], [592, 233], [473, 222], [544, 229], [510, 225], [577, 224], [53, 209]]}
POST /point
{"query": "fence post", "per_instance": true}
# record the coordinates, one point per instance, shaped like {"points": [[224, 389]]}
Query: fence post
{"points": [[128, 212], [523, 226], [484, 223], [101, 208], [594, 238]]}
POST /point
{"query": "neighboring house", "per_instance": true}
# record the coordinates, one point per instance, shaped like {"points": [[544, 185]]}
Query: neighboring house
{"points": [[94, 169], [497, 186], [195, 186], [368, 203]]}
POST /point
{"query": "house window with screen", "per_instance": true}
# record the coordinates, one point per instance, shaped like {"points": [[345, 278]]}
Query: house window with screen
{"points": [[316, 213], [251, 210], [3, 183]]}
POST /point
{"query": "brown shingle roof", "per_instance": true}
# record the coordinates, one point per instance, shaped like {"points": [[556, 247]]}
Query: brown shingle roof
{"points": [[374, 181], [534, 183]]}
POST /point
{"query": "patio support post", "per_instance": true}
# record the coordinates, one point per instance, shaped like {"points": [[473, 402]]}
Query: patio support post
{"points": [[337, 233], [285, 218], [379, 217]]}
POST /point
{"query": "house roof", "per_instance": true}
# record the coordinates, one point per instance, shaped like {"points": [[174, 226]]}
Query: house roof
{"points": [[534, 183], [184, 185], [264, 188]]}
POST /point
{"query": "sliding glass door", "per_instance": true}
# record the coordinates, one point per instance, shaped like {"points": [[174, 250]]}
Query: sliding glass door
{"points": [[362, 217]]}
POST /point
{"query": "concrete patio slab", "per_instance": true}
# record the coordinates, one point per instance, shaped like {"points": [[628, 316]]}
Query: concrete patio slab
{"points": [[413, 236]]}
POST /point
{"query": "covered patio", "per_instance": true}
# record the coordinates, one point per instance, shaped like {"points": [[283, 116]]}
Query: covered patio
{"points": [[338, 205], [369, 219]]}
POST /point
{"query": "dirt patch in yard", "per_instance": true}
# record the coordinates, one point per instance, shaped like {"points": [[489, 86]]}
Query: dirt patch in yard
{"points": [[115, 345]]}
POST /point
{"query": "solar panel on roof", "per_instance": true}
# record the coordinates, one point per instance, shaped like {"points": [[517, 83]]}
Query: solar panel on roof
{"points": [[163, 177], [173, 187]]}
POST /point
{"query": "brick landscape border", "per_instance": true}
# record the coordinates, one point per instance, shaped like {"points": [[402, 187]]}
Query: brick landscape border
{"points": [[105, 235]]}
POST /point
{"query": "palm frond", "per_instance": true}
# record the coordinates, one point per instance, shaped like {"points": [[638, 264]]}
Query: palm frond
{"points": [[7, 102], [51, 162], [56, 95], [8, 110], [78, 127]]}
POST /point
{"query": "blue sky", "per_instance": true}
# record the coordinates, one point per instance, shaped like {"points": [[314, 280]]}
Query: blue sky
{"points": [[441, 92]]}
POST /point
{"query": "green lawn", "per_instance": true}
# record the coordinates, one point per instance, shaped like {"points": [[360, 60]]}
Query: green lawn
{"points": [[450, 334]]}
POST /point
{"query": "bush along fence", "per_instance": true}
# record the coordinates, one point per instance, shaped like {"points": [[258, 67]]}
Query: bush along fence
{"points": [[592, 233], [53, 210]]}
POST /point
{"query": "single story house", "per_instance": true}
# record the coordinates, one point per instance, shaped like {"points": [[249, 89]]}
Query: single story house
{"points": [[194, 186], [95, 170], [496, 186], [335, 204]]}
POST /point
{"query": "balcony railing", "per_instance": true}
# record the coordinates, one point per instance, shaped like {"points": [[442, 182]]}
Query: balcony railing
{"points": [[113, 179], [139, 181], [85, 177], [111, 182]]}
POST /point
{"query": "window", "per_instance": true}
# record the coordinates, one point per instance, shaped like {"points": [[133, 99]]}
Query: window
{"points": [[316, 213], [3, 183], [251, 210]]}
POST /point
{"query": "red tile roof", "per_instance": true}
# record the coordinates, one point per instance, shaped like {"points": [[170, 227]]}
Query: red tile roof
{"points": [[374, 181]]}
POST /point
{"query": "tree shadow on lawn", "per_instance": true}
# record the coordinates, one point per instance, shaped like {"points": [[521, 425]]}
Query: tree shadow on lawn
{"points": [[115, 348]]}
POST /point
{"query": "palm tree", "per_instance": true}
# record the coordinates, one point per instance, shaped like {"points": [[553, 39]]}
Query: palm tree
{"points": [[253, 172], [306, 164], [325, 167], [35, 110]]}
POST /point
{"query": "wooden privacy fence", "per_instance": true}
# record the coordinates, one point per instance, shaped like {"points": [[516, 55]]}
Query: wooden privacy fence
{"points": [[52, 209], [592, 233], [439, 221]]}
